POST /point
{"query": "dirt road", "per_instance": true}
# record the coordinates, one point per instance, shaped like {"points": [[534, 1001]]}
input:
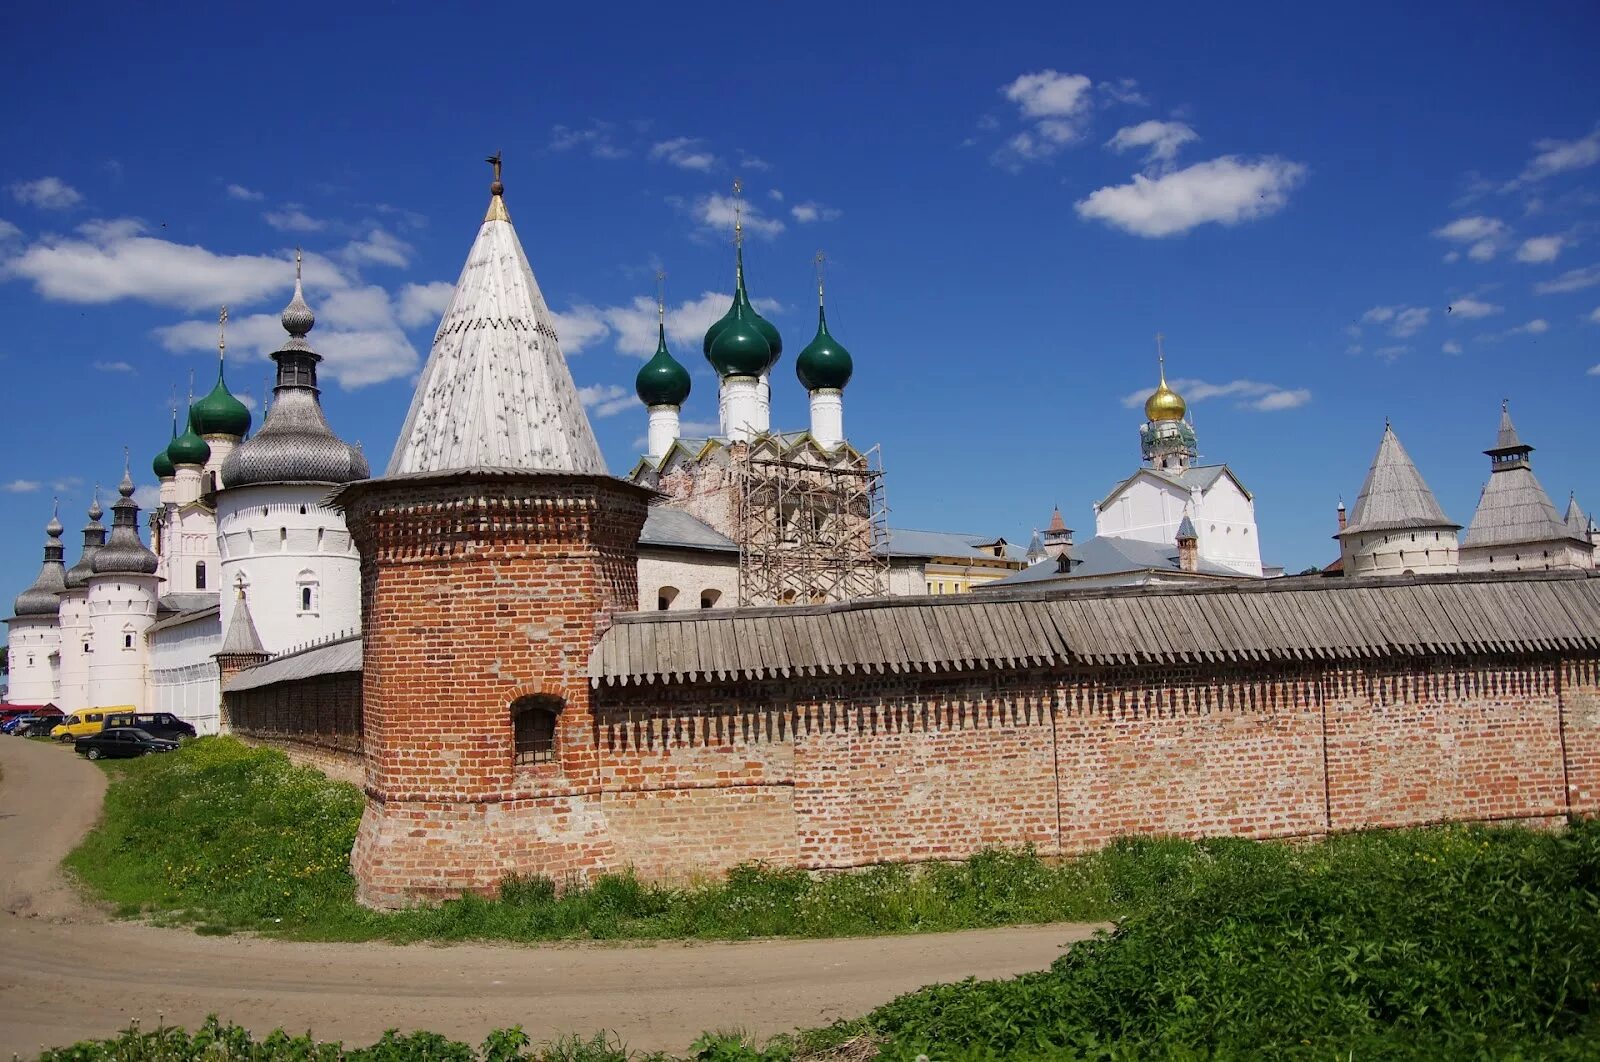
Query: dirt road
{"points": [[67, 972]]}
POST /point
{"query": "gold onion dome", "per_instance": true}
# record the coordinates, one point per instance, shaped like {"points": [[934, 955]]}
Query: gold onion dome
{"points": [[1165, 404]]}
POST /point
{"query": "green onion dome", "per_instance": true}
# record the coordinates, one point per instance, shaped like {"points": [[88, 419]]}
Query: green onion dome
{"points": [[739, 348], [219, 413], [162, 465], [189, 448], [741, 301], [661, 380], [824, 362]]}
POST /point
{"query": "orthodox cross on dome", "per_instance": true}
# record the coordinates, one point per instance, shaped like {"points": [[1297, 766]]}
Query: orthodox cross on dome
{"points": [[238, 583], [496, 187], [661, 297], [738, 212], [298, 257], [1161, 357], [821, 261], [222, 336]]}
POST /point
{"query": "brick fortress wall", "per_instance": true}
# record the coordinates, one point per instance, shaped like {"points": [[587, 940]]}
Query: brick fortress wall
{"points": [[315, 721], [482, 590]]}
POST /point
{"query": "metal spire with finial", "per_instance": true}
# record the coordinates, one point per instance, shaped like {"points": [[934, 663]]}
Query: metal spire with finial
{"points": [[661, 299], [497, 191], [1161, 359], [222, 335], [820, 261]]}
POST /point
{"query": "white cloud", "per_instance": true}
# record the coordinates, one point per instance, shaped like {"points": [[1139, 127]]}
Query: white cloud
{"points": [[1248, 394], [1451, 347], [113, 260], [1049, 94], [578, 327], [1057, 104], [1571, 280], [147, 496], [379, 248], [1540, 249], [632, 327], [113, 366], [697, 429], [1471, 308], [293, 219], [422, 304], [684, 152], [1392, 352], [1162, 139], [606, 400], [1124, 90], [775, 194], [1482, 236], [1536, 327], [1594, 370], [748, 161], [358, 334], [47, 193], [598, 139], [247, 195], [811, 211], [1558, 156], [715, 212], [1594, 315], [20, 486], [1226, 190], [9, 233], [1402, 321]]}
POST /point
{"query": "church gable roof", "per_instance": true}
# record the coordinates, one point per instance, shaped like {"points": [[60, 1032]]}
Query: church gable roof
{"points": [[1394, 495], [1195, 477], [496, 391]]}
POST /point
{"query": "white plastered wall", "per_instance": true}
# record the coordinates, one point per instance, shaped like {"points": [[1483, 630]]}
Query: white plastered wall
{"points": [[183, 674]]}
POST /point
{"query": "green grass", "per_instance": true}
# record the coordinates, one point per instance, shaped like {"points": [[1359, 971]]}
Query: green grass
{"points": [[225, 836], [1458, 943]]}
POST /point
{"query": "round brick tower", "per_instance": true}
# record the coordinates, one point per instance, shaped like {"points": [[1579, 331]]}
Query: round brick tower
{"points": [[493, 554]]}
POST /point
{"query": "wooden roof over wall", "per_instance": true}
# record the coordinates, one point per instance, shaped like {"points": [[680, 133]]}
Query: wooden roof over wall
{"points": [[1270, 620]]}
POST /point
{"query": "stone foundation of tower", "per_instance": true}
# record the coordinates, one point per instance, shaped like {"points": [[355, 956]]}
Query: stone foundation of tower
{"points": [[482, 597]]}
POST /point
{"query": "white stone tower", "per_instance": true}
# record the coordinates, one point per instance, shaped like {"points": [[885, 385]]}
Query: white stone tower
{"points": [[77, 636], [1397, 526], [35, 633], [123, 594], [290, 552]]}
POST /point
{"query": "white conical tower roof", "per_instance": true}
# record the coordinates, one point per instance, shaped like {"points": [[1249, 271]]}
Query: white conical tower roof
{"points": [[496, 391], [1394, 495]]}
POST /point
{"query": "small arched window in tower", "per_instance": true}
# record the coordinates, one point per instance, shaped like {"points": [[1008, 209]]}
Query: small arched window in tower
{"points": [[199, 575], [709, 598], [533, 728], [302, 510], [306, 586], [665, 597], [127, 636]]}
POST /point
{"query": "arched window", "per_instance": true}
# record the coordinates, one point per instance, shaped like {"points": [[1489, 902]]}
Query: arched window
{"points": [[307, 587], [533, 728], [127, 636], [199, 575], [665, 597], [709, 598]]}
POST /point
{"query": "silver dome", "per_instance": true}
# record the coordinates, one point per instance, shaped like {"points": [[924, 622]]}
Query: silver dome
{"points": [[94, 536], [41, 598], [124, 553]]}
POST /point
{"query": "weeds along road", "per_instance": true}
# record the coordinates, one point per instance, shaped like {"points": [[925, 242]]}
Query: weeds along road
{"points": [[68, 972]]}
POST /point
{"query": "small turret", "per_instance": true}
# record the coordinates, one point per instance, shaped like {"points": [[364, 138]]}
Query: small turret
{"points": [[824, 368], [662, 385]]}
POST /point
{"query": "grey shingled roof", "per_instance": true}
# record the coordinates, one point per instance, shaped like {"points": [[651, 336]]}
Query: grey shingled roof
{"points": [[1394, 495], [1577, 522], [1514, 510], [183, 618], [329, 658], [242, 639], [908, 542], [1105, 555], [1277, 620], [669, 528]]}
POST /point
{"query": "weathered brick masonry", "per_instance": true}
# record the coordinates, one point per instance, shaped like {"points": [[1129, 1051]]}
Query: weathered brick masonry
{"points": [[800, 737]]}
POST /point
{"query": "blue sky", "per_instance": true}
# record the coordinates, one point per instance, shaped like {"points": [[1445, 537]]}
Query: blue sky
{"points": [[1336, 218]]}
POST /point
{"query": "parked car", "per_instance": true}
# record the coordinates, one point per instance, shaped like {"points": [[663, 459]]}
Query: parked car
{"points": [[39, 727], [121, 742], [157, 724], [89, 721], [16, 723]]}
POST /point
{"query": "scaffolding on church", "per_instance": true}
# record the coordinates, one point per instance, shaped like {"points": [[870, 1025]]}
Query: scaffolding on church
{"points": [[812, 527]]}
